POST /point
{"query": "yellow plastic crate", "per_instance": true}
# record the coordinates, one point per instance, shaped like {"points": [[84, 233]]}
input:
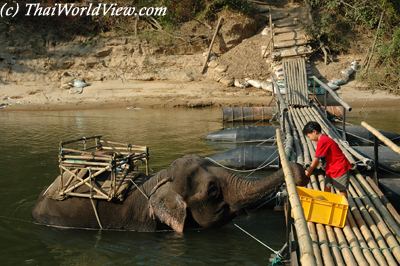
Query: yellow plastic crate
{"points": [[323, 207]]}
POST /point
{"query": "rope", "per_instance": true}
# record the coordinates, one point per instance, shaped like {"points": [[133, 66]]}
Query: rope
{"points": [[271, 197], [96, 214], [389, 171], [259, 241], [262, 141], [273, 137], [349, 247], [261, 166], [147, 197]]}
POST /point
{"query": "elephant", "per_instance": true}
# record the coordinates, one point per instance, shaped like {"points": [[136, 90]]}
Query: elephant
{"points": [[191, 193]]}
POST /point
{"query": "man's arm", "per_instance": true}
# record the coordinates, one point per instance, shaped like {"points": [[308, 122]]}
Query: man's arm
{"points": [[313, 165]]}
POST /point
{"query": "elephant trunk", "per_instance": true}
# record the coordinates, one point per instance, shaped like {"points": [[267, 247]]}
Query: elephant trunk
{"points": [[244, 191]]}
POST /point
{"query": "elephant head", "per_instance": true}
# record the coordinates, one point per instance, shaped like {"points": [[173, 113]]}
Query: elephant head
{"points": [[195, 191]]}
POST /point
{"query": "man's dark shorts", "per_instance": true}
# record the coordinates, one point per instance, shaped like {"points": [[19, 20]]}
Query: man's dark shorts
{"points": [[341, 183]]}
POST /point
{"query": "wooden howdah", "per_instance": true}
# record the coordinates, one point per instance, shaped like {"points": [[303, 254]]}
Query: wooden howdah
{"points": [[92, 167]]}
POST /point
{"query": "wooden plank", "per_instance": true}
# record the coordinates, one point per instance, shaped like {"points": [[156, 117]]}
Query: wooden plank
{"points": [[289, 43]]}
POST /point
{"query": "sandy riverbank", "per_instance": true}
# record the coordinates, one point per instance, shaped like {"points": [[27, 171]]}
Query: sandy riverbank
{"points": [[128, 94], [162, 94]]}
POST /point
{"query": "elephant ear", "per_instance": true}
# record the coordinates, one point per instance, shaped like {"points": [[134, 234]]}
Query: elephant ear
{"points": [[169, 207]]}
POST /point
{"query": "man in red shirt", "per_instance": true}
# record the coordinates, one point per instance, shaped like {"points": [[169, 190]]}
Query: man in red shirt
{"points": [[337, 166]]}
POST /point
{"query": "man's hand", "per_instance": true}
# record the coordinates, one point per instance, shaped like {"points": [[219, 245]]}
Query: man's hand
{"points": [[307, 173]]}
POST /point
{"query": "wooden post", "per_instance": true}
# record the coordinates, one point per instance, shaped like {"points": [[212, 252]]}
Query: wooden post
{"points": [[304, 239], [326, 113], [220, 20], [376, 159], [271, 30], [344, 124]]}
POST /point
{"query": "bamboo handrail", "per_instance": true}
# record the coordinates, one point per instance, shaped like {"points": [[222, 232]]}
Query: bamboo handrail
{"points": [[381, 137], [282, 103], [304, 239], [334, 95], [80, 139]]}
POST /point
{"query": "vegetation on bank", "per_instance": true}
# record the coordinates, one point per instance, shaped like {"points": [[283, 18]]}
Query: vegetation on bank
{"points": [[178, 12], [337, 23]]}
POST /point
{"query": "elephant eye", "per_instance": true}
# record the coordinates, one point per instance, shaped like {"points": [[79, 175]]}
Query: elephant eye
{"points": [[213, 191]]}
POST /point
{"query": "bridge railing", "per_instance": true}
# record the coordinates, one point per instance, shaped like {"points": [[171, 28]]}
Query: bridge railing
{"points": [[345, 106], [385, 140], [307, 256]]}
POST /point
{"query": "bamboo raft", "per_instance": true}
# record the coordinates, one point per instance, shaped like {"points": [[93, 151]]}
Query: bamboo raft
{"points": [[91, 167]]}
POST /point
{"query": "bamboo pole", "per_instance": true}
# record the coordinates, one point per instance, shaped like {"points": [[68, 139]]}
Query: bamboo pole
{"points": [[80, 152], [381, 137], [390, 221], [351, 232], [317, 250], [345, 145], [82, 195], [321, 233], [333, 94], [220, 21], [326, 129], [81, 162], [353, 243], [289, 137], [286, 79], [370, 212], [86, 157], [372, 225], [342, 256], [305, 82], [310, 145], [347, 254], [384, 200], [306, 119], [305, 244], [337, 256], [372, 257], [85, 181], [81, 174], [271, 32], [307, 159], [369, 233], [345, 248], [299, 152], [80, 139]]}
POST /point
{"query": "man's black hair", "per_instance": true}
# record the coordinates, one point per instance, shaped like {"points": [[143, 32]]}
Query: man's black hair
{"points": [[311, 126]]}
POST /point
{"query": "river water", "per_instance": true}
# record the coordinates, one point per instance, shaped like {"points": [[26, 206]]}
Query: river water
{"points": [[28, 163]]}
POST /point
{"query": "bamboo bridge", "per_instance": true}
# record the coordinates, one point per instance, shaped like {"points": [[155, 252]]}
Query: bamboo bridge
{"points": [[371, 234]]}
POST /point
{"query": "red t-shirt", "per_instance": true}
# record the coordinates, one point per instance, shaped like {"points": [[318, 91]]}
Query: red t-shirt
{"points": [[336, 162]]}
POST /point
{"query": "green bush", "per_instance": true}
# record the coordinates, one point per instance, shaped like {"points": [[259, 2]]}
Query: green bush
{"points": [[338, 22]]}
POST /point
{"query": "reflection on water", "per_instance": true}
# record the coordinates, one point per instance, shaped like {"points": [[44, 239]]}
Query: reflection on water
{"points": [[28, 162]]}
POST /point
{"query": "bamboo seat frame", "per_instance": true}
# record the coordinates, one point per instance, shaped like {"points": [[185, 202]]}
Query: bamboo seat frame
{"points": [[83, 161]]}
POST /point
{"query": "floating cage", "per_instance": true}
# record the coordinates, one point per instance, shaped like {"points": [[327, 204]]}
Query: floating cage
{"points": [[92, 167]]}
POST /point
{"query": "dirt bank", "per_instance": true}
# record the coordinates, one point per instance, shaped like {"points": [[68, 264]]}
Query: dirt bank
{"points": [[155, 71]]}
